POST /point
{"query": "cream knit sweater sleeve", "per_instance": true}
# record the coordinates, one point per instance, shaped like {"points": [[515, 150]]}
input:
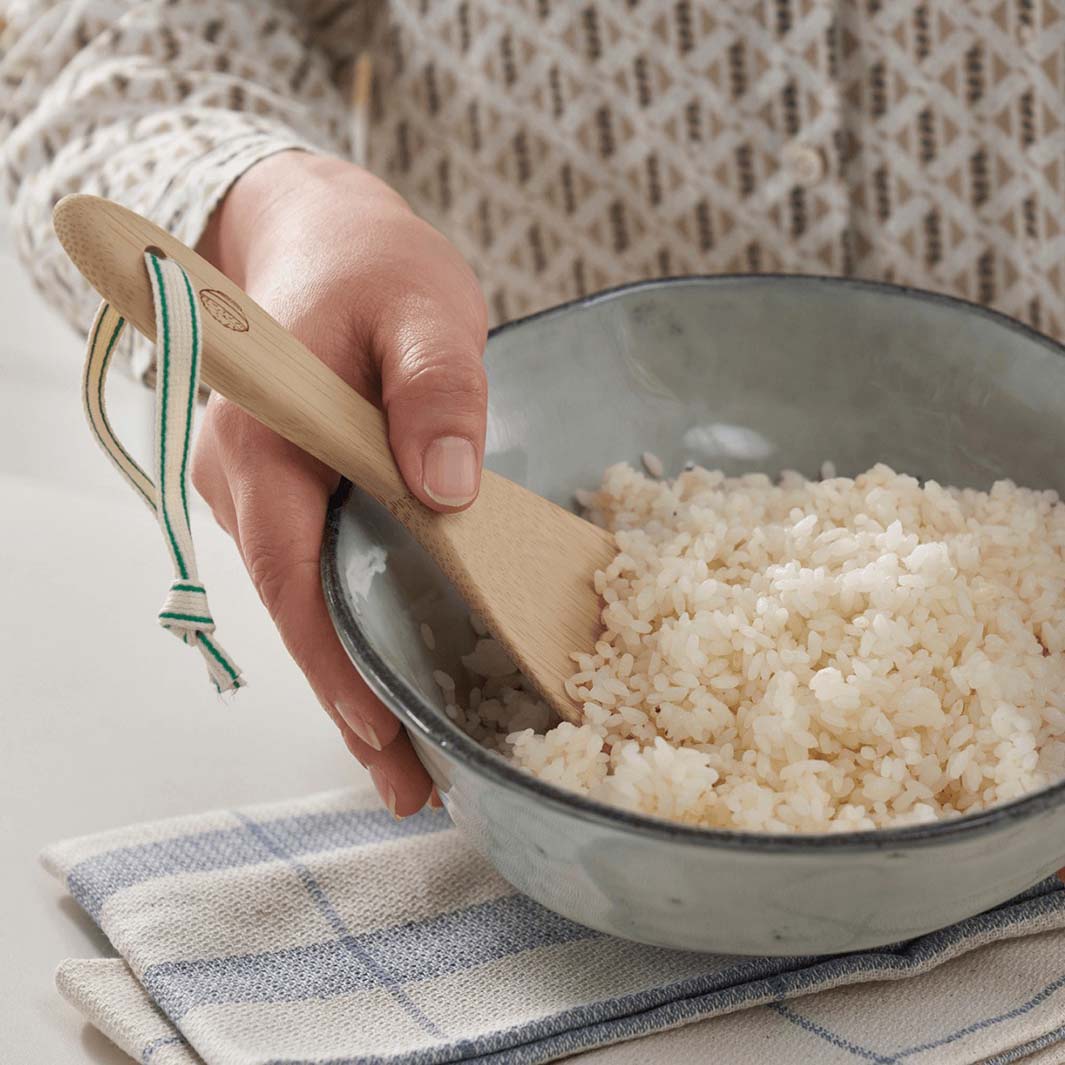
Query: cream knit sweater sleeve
{"points": [[157, 105]]}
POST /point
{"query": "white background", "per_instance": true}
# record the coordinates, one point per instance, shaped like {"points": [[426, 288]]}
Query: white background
{"points": [[107, 719]]}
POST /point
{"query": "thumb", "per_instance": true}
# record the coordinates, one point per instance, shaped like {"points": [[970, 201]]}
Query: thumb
{"points": [[435, 395]]}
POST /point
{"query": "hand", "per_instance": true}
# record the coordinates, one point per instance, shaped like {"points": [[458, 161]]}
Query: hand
{"points": [[383, 299]]}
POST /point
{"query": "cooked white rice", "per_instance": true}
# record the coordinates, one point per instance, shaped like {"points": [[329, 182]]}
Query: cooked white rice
{"points": [[653, 464], [804, 656]]}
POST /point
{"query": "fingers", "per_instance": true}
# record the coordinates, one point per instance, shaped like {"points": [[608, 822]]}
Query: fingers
{"points": [[207, 473], [397, 774], [272, 498], [280, 496], [434, 391]]}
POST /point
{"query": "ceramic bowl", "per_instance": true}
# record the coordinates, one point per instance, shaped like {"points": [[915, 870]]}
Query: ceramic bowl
{"points": [[742, 374]]}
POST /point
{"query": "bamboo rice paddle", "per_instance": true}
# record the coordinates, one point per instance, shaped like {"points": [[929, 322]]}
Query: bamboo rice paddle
{"points": [[524, 564]]}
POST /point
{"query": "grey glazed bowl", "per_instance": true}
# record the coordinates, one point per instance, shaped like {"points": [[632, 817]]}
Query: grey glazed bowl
{"points": [[740, 373]]}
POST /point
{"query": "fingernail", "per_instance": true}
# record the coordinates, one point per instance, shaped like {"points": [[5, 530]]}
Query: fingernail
{"points": [[361, 727], [435, 802], [449, 471], [385, 790]]}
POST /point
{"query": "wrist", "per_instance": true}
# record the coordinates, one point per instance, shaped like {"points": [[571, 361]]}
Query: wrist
{"points": [[244, 225], [230, 235]]}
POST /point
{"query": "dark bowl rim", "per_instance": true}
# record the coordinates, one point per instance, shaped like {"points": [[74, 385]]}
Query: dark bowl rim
{"points": [[416, 712]]}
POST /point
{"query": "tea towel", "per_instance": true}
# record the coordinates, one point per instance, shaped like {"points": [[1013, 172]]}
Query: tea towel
{"points": [[321, 931]]}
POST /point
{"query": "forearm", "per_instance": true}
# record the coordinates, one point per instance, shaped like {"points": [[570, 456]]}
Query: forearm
{"points": [[160, 107]]}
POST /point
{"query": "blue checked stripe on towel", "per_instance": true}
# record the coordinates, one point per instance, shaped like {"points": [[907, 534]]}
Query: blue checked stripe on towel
{"points": [[323, 932]]}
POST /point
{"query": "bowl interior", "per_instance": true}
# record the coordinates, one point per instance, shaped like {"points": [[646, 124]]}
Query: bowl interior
{"points": [[741, 374]]}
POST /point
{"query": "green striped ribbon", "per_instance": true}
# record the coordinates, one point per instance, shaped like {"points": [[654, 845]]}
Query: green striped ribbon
{"points": [[185, 612]]}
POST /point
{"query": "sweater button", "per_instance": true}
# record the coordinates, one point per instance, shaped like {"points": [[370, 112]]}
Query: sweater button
{"points": [[805, 164]]}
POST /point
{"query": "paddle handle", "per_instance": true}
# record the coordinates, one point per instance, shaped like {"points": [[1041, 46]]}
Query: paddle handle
{"points": [[247, 356]]}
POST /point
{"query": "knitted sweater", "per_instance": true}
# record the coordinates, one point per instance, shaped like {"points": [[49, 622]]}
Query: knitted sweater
{"points": [[564, 146]]}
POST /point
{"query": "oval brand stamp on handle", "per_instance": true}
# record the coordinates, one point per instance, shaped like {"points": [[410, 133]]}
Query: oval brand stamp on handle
{"points": [[224, 310]]}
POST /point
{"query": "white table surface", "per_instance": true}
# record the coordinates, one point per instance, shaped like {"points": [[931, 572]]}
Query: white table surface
{"points": [[88, 742]]}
